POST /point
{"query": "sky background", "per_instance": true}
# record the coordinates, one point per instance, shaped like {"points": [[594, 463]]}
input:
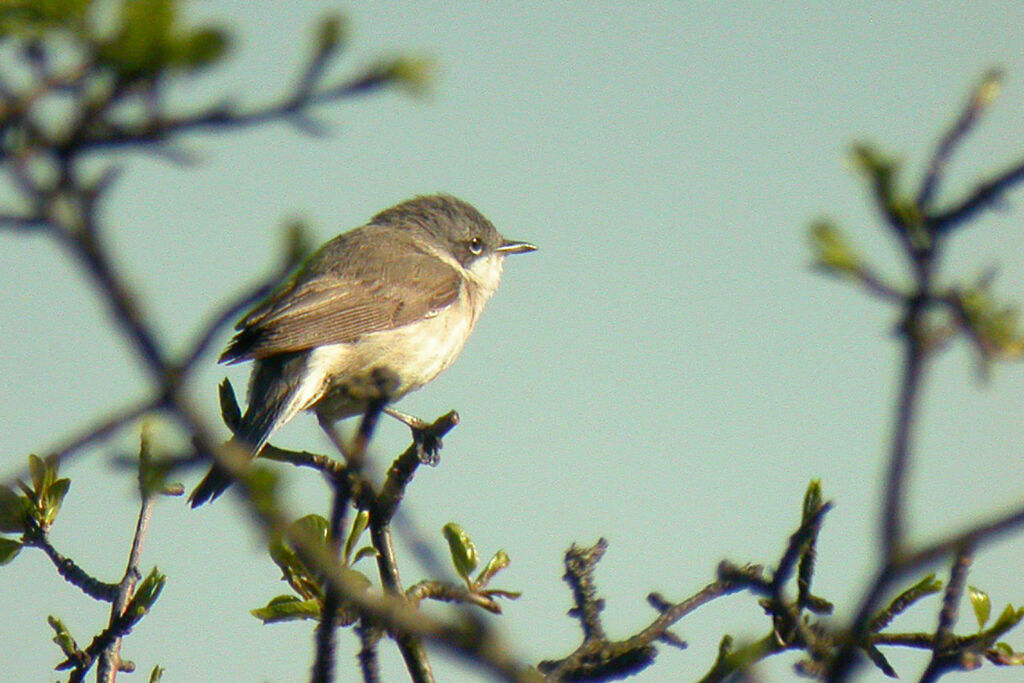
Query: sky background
{"points": [[666, 372]]}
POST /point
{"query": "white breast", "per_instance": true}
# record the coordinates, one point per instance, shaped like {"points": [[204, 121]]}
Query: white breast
{"points": [[417, 352]]}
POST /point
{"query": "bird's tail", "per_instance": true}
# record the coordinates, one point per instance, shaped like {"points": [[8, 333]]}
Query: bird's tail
{"points": [[217, 480], [277, 392], [258, 424]]}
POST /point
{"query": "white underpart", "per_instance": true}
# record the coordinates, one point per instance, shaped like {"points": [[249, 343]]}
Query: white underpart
{"points": [[417, 352]]}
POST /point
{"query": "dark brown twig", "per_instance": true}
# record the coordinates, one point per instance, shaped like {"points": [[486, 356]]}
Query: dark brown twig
{"points": [[944, 657], [323, 665], [69, 571]]}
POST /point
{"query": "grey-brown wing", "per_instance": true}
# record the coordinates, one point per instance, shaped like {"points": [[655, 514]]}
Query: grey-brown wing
{"points": [[342, 297]]}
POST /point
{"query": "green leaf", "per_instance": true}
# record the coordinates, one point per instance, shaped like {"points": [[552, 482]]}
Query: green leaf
{"points": [[32, 18], [140, 46], [356, 578], [994, 327], [287, 608], [13, 511], [988, 88], [493, 566], [812, 500], [293, 569], [315, 528], [38, 469], [832, 251], [262, 483], [157, 674], [62, 637], [9, 549], [359, 524], [415, 74], [365, 551], [981, 604], [146, 594], [881, 169], [464, 555], [55, 497], [199, 49], [1008, 619]]}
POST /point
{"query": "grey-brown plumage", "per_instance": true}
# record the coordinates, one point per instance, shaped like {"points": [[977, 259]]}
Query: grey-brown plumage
{"points": [[402, 293]]}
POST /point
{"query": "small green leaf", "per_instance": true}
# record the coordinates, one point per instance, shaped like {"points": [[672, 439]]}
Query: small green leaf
{"points": [[464, 555], [62, 637], [287, 608], [359, 524], [832, 251], [881, 169], [365, 551], [262, 483], [415, 74], [315, 528], [994, 327], [981, 604], [157, 674], [293, 569], [38, 469], [356, 578], [146, 594], [493, 566], [140, 46], [988, 89], [812, 500], [1008, 619], [199, 49], [55, 497], [13, 511], [9, 549]]}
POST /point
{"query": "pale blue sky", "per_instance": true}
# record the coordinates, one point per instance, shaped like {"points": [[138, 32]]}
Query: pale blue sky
{"points": [[665, 372]]}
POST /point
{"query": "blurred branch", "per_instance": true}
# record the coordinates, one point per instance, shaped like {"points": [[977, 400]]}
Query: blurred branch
{"points": [[983, 94], [943, 658], [323, 664], [65, 208], [922, 234]]}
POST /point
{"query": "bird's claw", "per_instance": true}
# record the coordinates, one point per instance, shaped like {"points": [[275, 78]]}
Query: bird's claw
{"points": [[428, 446]]}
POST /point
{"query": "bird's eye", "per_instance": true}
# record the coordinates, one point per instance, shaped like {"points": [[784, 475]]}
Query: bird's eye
{"points": [[476, 246]]}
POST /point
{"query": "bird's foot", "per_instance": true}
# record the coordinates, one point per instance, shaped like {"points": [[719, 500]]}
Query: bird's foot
{"points": [[428, 445], [426, 437]]}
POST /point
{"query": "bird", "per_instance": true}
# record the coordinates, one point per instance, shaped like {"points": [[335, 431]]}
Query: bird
{"points": [[400, 294]]}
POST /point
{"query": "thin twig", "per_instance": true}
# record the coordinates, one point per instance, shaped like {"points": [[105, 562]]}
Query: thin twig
{"points": [[976, 105], [943, 657], [369, 636], [69, 571], [984, 196], [110, 658]]}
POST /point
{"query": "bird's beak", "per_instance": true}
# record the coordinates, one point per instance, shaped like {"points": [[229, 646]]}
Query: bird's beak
{"points": [[513, 247]]}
